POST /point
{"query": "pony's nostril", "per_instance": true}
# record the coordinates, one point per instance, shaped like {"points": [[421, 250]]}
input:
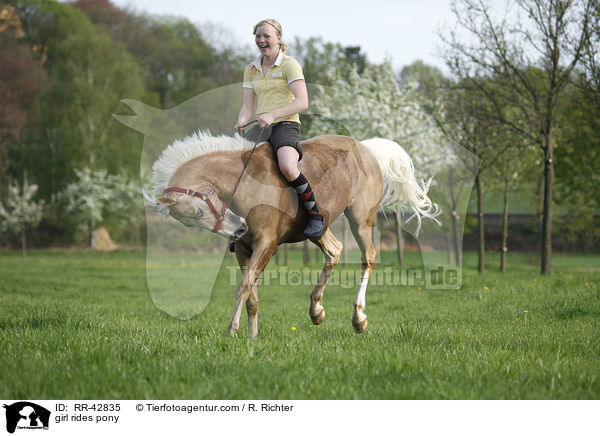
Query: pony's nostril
{"points": [[240, 232]]}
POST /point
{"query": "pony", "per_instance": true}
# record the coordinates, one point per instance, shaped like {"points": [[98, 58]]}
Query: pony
{"points": [[195, 178]]}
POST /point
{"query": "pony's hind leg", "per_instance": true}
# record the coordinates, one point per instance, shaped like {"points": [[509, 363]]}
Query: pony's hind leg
{"points": [[331, 248], [362, 231]]}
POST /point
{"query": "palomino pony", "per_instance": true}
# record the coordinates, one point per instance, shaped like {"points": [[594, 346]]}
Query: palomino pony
{"points": [[196, 177]]}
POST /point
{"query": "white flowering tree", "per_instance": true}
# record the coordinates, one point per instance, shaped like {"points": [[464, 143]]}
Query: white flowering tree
{"points": [[97, 192], [372, 104], [21, 212], [87, 198], [128, 204]]}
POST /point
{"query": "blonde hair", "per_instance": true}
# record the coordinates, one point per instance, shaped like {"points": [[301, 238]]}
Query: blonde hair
{"points": [[277, 26]]}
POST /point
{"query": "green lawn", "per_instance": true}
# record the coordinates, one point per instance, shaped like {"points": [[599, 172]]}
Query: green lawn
{"points": [[81, 325]]}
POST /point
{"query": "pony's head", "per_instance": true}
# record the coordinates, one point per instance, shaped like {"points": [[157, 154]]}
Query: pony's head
{"points": [[203, 208], [195, 203]]}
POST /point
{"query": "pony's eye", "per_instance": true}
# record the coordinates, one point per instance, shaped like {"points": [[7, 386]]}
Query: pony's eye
{"points": [[199, 213]]}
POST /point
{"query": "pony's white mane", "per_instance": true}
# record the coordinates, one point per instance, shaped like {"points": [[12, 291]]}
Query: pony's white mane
{"points": [[182, 151]]}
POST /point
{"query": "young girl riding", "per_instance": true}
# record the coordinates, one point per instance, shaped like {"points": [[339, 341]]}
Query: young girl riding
{"points": [[276, 82]]}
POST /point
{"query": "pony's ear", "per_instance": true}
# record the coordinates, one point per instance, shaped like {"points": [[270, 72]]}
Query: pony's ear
{"points": [[166, 201]]}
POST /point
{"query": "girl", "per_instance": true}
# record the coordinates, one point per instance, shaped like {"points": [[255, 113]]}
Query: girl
{"points": [[277, 83]]}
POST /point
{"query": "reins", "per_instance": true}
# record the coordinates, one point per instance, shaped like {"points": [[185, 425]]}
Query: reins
{"points": [[248, 161], [220, 216]]}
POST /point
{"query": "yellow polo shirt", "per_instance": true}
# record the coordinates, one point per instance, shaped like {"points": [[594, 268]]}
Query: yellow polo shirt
{"points": [[272, 90]]}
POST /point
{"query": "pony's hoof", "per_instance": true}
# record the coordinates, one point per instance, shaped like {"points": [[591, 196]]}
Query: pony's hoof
{"points": [[361, 326], [318, 318], [232, 331]]}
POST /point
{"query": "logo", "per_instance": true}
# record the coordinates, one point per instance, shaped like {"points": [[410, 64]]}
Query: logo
{"points": [[26, 415]]}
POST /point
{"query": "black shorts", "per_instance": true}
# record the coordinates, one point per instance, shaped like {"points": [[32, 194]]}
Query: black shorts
{"points": [[282, 134]]}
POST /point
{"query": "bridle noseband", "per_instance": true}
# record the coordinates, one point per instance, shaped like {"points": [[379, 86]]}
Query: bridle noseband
{"points": [[220, 216]]}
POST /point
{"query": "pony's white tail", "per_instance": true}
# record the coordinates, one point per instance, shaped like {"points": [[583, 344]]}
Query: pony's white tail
{"points": [[400, 187]]}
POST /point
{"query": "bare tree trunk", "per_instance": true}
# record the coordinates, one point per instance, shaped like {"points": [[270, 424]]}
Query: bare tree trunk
{"points": [[23, 245], [454, 219], [91, 235], [399, 237], [455, 243], [345, 242], [481, 257], [376, 241], [306, 252], [505, 223], [540, 206], [138, 236], [547, 212]]}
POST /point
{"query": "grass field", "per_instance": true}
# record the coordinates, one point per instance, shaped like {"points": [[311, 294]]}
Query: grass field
{"points": [[81, 325]]}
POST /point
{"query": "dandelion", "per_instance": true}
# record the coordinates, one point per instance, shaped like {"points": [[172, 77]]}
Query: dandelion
{"points": [[587, 284], [418, 289], [293, 328], [486, 288]]}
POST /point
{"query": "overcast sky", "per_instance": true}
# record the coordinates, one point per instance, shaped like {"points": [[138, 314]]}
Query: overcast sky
{"points": [[401, 30]]}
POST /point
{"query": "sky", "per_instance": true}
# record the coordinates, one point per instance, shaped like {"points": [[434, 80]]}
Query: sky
{"points": [[403, 31]]}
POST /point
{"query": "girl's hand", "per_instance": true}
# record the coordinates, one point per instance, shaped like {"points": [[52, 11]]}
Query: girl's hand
{"points": [[266, 120], [238, 128]]}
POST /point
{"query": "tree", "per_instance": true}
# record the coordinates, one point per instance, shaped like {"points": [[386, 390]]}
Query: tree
{"points": [[578, 146], [177, 61], [457, 113], [465, 119], [89, 74], [88, 197], [528, 64], [21, 82], [127, 205], [319, 59], [578, 166], [590, 79], [21, 212]]}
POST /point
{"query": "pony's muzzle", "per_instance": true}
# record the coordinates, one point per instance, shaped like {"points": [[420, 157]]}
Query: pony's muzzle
{"points": [[241, 231]]}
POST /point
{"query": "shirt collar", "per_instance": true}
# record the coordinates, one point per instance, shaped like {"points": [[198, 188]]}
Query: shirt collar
{"points": [[258, 61]]}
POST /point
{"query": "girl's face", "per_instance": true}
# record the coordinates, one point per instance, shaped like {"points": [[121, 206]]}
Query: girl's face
{"points": [[267, 40]]}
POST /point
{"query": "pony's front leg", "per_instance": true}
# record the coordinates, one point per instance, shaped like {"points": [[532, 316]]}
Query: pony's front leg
{"points": [[247, 291], [331, 248], [252, 310]]}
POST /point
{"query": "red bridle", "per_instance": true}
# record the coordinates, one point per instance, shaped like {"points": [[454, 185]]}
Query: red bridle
{"points": [[220, 216]]}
